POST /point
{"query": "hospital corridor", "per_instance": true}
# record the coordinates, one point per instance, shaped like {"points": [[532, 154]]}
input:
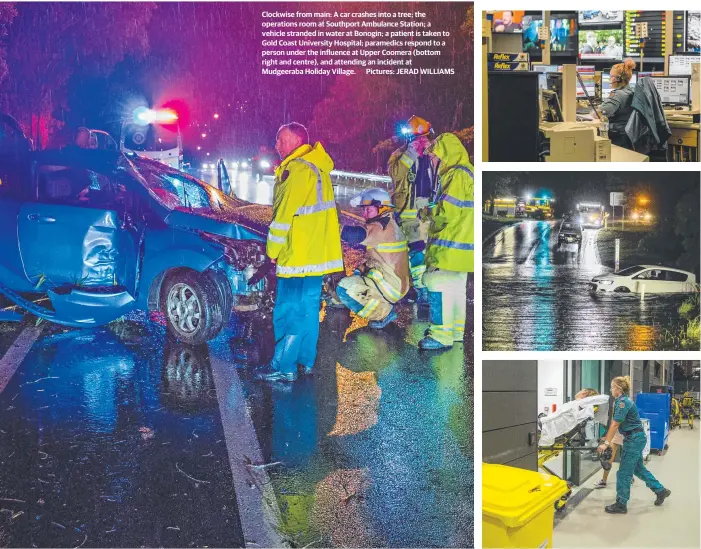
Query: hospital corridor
{"points": [[590, 453]]}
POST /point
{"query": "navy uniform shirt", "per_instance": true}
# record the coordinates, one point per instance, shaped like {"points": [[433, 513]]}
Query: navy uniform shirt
{"points": [[626, 413], [618, 107]]}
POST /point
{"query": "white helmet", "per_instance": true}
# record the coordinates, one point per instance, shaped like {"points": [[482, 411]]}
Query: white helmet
{"points": [[372, 197]]}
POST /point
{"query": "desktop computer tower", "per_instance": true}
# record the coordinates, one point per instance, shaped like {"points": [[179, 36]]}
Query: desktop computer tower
{"points": [[514, 116]]}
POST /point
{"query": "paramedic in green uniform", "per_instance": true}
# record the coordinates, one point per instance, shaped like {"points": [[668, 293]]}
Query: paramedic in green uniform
{"points": [[627, 421]]}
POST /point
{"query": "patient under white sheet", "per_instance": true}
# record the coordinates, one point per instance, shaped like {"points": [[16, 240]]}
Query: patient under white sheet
{"points": [[570, 415]]}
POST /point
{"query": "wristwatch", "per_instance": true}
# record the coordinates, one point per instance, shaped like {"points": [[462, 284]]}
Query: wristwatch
{"points": [[607, 443]]}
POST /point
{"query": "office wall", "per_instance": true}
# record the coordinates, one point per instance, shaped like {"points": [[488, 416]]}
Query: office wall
{"points": [[509, 413]]}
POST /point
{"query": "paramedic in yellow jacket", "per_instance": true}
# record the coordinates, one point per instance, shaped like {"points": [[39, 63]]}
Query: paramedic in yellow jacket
{"points": [[304, 242], [413, 178], [450, 248], [384, 278]]}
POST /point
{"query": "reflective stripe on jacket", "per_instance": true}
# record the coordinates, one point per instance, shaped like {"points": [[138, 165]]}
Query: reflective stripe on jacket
{"points": [[451, 236], [387, 258], [304, 236]]}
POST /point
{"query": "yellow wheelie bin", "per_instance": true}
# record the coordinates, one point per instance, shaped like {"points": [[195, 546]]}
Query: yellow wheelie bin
{"points": [[518, 506]]}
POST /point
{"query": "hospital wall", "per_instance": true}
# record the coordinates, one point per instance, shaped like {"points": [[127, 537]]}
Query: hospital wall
{"points": [[509, 412], [551, 379]]}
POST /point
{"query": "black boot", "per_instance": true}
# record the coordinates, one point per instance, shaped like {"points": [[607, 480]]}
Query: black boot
{"points": [[661, 496], [617, 508]]}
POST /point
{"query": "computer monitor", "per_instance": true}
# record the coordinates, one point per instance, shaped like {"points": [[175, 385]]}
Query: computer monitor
{"points": [[680, 65], [606, 83], [550, 106], [674, 90], [586, 73], [543, 70]]}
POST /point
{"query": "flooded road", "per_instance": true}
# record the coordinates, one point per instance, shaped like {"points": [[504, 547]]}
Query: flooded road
{"points": [[535, 297], [119, 437]]}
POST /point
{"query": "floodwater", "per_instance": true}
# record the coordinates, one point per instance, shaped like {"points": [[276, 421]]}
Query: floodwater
{"points": [[535, 297]]}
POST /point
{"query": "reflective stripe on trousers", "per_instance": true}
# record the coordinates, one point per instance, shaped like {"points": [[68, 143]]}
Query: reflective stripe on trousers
{"points": [[447, 300]]}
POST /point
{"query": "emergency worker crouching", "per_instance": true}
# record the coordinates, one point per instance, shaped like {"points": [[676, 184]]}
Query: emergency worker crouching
{"points": [[413, 179], [450, 248], [384, 278], [304, 244]]}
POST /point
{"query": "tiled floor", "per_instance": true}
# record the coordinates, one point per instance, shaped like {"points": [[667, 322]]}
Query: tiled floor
{"points": [[674, 524]]}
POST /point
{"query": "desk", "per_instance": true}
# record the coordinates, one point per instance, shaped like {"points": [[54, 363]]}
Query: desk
{"points": [[619, 154], [583, 145], [684, 141]]}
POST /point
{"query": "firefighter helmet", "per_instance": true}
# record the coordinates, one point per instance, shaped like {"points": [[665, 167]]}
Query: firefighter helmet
{"points": [[372, 197], [417, 127]]}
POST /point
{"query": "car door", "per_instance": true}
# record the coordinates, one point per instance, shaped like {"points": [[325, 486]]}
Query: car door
{"points": [[72, 233], [651, 279], [675, 282], [15, 184]]}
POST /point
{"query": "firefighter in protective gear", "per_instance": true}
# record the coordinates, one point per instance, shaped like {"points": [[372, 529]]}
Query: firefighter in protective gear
{"points": [[413, 178], [450, 248], [304, 242], [384, 278]]}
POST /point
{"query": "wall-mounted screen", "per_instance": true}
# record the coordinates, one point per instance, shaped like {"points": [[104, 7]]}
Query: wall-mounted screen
{"points": [[601, 44], [507, 21], [563, 35], [693, 31], [599, 17], [530, 25]]}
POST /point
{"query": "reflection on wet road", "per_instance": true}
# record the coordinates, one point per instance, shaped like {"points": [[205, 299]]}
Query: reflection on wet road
{"points": [[114, 440], [115, 437], [535, 297]]}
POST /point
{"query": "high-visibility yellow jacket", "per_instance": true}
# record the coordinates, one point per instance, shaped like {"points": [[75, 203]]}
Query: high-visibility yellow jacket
{"points": [[304, 236], [451, 236], [402, 170]]}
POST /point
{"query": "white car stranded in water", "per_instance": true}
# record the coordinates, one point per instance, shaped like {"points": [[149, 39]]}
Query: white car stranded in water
{"points": [[650, 279]]}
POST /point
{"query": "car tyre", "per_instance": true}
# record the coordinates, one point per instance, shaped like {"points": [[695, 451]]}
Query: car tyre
{"points": [[193, 306]]}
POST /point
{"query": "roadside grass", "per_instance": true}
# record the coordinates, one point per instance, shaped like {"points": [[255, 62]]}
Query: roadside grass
{"points": [[491, 223], [688, 335]]}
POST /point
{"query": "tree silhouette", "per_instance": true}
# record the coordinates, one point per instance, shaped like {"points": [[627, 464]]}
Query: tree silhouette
{"points": [[48, 43]]}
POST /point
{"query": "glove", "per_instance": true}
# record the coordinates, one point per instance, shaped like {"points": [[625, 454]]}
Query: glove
{"points": [[261, 273]]}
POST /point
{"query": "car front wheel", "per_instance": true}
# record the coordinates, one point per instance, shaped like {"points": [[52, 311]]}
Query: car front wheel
{"points": [[193, 306]]}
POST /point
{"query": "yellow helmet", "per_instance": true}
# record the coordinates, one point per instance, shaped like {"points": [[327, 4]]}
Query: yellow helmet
{"points": [[417, 127]]}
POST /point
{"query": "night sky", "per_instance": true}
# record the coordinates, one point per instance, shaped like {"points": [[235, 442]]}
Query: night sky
{"points": [[662, 188], [205, 57]]}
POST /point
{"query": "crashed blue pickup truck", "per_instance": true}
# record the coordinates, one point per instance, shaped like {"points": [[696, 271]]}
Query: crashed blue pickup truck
{"points": [[89, 235]]}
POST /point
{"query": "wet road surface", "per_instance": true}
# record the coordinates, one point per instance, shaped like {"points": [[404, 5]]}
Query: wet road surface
{"points": [[119, 437], [535, 297]]}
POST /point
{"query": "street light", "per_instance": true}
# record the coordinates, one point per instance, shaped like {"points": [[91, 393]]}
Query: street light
{"points": [[216, 116], [204, 135]]}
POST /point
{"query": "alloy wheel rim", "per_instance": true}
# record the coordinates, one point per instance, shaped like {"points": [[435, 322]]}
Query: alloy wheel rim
{"points": [[184, 308]]}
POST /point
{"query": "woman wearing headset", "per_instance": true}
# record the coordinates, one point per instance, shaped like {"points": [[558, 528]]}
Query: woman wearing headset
{"points": [[627, 420], [619, 105]]}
